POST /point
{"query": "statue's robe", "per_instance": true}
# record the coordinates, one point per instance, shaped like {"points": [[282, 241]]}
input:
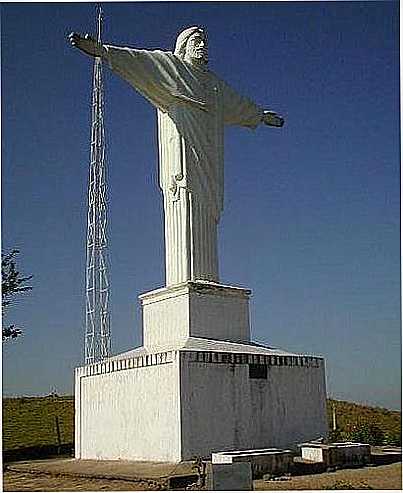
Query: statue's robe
{"points": [[193, 105]]}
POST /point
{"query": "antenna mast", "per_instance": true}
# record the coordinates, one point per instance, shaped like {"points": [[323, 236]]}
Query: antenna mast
{"points": [[97, 319]]}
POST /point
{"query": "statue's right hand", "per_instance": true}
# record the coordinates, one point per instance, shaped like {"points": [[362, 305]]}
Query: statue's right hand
{"points": [[86, 43]]}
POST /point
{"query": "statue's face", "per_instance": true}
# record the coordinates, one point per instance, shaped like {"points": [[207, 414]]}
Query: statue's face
{"points": [[196, 48]]}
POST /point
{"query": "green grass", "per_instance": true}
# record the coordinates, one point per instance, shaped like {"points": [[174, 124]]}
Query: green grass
{"points": [[350, 416], [30, 421]]}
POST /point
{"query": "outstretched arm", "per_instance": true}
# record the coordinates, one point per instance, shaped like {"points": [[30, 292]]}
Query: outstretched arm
{"points": [[87, 44], [239, 110], [152, 73]]}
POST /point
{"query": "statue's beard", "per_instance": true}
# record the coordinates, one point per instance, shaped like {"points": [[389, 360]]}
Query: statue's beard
{"points": [[198, 56]]}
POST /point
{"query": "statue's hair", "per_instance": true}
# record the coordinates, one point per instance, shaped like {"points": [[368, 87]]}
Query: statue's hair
{"points": [[182, 39]]}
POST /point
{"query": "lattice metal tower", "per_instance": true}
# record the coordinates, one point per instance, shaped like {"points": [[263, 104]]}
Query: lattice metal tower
{"points": [[97, 319]]}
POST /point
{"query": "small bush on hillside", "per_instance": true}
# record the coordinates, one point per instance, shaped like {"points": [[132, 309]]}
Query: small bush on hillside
{"points": [[357, 422], [346, 485], [366, 433], [393, 438], [336, 436]]}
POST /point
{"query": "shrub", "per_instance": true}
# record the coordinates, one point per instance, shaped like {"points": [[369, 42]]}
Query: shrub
{"points": [[367, 433], [346, 485]]}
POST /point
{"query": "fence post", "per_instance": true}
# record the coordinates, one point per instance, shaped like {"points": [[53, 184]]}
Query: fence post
{"points": [[59, 439]]}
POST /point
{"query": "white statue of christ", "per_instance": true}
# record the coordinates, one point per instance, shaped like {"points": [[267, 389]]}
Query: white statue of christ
{"points": [[193, 106]]}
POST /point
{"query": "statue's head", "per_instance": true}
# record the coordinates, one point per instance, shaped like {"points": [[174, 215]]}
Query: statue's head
{"points": [[191, 45]]}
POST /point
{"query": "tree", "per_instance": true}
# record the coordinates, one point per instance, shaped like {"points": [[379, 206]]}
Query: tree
{"points": [[367, 432], [12, 284]]}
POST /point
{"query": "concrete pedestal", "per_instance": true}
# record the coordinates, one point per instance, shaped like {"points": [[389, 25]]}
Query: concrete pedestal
{"points": [[343, 454], [195, 309], [188, 392]]}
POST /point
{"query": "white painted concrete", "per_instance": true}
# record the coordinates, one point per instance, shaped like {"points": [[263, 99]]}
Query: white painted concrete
{"points": [[195, 309], [172, 406], [248, 455], [263, 461], [337, 454], [129, 413], [165, 316], [313, 454], [244, 413], [254, 353], [218, 312]]}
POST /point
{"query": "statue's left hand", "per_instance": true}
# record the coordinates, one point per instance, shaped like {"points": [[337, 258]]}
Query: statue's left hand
{"points": [[272, 119], [87, 44]]}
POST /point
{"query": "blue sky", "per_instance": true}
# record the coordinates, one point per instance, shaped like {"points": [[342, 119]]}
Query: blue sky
{"points": [[312, 210]]}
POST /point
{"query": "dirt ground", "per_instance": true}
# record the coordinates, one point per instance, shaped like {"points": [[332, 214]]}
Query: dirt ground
{"points": [[19, 481], [379, 478]]}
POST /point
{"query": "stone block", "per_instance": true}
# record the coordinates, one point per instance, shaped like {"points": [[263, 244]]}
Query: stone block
{"points": [[271, 461], [342, 454], [195, 309], [229, 477], [176, 405]]}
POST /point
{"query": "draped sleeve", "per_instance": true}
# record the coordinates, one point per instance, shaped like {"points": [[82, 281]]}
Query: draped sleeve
{"points": [[239, 110], [152, 73]]}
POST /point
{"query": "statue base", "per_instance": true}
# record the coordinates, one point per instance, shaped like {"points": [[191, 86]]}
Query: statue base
{"points": [[195, 398], [195, 309], [197, 385]]}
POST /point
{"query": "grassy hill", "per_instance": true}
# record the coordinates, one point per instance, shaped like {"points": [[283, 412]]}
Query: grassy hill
{"points": [[35, 421], [359, 422]]}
